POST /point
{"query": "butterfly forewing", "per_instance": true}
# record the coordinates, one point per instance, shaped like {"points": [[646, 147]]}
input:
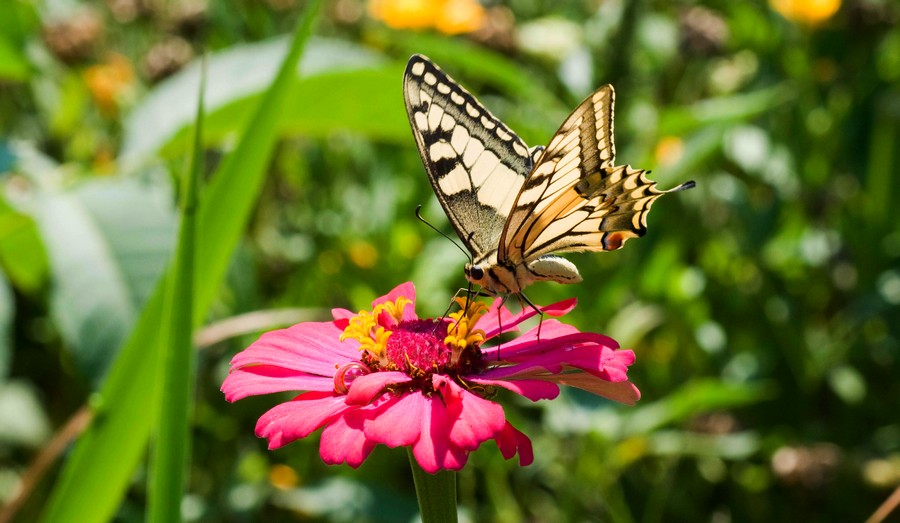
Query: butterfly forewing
{"points": [[476, 164]]}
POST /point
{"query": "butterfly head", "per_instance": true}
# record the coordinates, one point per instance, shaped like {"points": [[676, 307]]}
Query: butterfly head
{"points": [[494, 279], [475, 274]]}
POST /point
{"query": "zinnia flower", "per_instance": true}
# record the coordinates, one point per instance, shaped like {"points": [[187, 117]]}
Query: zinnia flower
{"points": [[386, 376]]}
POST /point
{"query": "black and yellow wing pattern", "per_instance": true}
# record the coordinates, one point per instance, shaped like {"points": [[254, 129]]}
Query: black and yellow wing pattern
{"points": [[515, 207]]}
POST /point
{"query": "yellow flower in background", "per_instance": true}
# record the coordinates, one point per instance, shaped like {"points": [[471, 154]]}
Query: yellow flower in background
{"points": [[404, 14], [459, 16], [109, 82], [363, 254], [669, 150], [809, 12], [447, 16]]}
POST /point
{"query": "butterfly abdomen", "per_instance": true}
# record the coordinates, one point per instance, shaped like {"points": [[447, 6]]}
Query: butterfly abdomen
{"points": [[551, 268]]}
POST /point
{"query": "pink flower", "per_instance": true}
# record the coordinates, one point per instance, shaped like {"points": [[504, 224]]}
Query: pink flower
{"points": [[386, 376]]}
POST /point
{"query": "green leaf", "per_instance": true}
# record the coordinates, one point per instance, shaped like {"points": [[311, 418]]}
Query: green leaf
{"points": [[363, 101], [339, 73], [13, 65], [176, 382], [108, 242], [22, 254], [698, 396], [725, 109], [97, 473], [17, 28], [735, 446]]}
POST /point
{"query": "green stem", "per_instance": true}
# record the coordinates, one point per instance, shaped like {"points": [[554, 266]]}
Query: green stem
{"points": [[436, 493]]}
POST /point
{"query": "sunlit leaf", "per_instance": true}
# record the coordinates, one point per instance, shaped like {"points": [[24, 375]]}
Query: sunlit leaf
{"points": [[13, 65], [22, 254], [733, 108], [333, 72], [696, 397]]}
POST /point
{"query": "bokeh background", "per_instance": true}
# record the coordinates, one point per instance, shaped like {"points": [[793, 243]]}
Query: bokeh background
{"points": [[763, 306]]}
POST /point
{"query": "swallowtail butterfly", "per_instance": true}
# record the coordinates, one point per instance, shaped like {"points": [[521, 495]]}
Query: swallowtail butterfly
{"points": [[514, 206]]}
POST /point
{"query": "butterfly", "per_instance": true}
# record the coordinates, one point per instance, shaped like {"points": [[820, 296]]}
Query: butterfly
{"points": [[515, 207]]}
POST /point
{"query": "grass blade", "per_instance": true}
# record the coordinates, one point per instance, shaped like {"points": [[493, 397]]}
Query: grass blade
{"points": [[170, 458], [97, 473]]}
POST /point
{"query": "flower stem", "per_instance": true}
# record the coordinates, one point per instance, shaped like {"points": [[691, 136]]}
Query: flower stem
{"points": [[436, 493]]}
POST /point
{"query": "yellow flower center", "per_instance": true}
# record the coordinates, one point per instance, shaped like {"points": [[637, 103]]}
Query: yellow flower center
{"points": [[460, 333], [371, 336]]}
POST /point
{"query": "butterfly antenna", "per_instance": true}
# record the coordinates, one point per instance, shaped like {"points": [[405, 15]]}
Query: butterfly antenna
{"points": [[435, 229]]}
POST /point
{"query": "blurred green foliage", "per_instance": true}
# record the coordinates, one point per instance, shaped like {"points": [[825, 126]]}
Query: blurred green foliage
{"points": [[763, 305]]}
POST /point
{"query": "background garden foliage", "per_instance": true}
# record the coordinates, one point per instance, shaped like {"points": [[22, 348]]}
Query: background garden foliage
{"points": [[762, 306]]}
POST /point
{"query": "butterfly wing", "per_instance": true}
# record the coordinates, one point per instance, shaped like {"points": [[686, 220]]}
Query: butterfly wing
{"points": [[576, 199], [476, 164]]}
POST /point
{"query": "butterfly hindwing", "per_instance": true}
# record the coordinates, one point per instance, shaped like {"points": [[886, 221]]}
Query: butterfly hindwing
{"points": [[476, 164], [576, 199]]}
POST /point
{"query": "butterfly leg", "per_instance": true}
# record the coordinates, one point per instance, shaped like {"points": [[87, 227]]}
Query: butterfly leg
{"points": [[469, 293], [500, 325], [535, 308]]}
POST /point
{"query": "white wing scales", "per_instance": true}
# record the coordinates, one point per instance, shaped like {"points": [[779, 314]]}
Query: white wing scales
{"points": [[475, 163]]}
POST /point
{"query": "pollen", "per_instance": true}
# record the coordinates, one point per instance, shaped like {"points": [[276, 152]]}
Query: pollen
{"points": [[414, 346], [395, 308], [366, 328], [460, 334]]}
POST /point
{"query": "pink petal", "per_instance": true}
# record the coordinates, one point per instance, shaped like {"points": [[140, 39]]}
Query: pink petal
{"points": [[298, 418], [398, 420], [556, 309], [599, 360], [534, 390], [433, 451], [588, 358], [312, 347], [472, 419], [511, 440], [555, 336], [560, 308], [622, 391], [496, 318], [343, 443], [616, 368], [407, 290], [528, 342], [364, 388], [266, 379], [342, 315]]}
